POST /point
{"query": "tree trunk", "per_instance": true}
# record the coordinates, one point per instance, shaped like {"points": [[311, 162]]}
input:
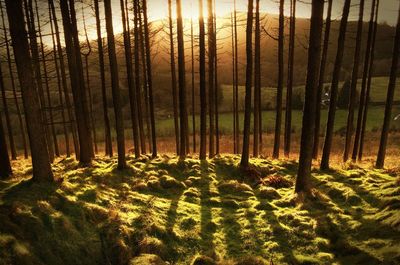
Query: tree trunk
{"points": [[314, 56], [353, 89], [119, 119], [40, 156], [150, 80], [71, 119], [14, 89], [389, 99], [5, 165], [334, 87], [233, 85], [211, 80], [370, 74], [257, 83], [203, 93], [182, 83], [288, 111], [244, 163], [321, 79], [216, 87], [107, 129], [364, 82], [173, 76], [193, 88], [77, 81], [129, 71], [279, 95], [237, 82]]}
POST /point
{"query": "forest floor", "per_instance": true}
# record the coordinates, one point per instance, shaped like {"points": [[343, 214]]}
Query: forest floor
{"points": [[163, 211]]}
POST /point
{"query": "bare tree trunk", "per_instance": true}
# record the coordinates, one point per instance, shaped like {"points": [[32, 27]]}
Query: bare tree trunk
{"points": [[314, 56], [334, 87], [129, 71], [14, 89], [5, 165], [244, 163], [367, 93], [46, 82], [203, 93], [288, 111], [234, 110], [37, 72], [138, 45], [237, 82], [389, 99], [40, 156], [7, 116], [77, 81], [119, 120], [216, 86], [364, 82], [257, 82], [107, 129], [193, 88], [182, 83], [173, 76], [211, 80], [279, 95], [321, 79], [59, 84], [353, 89]]}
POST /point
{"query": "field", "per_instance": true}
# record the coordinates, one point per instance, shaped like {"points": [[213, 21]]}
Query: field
{"points": [[163, 211]]}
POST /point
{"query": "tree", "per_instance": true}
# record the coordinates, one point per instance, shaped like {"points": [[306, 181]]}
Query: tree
{"points": [[244, 163], [193, 85], [389, 99], [203, 94], [321, 79], [107, 129], [173, 76], [77, 81], [236, 92], [40, 156], [354, 79], [257, 82], [288, 112], [334, 87], [129, 73], [5, 165], [119, 120], [150, 80], [308, 124], [182, 83], [211, 78], [278, 119], [13, 86], [367, 59]]}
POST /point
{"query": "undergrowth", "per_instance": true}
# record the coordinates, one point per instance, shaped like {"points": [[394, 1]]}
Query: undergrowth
{"points": [[166, 211]]}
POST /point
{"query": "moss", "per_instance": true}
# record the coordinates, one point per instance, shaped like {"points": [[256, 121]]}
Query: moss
{"points": [[203, 260], [148, 259]]}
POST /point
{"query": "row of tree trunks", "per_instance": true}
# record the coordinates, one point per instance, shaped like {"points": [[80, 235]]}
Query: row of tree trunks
{"points": [[13, 86], [321, 79], [107, 127], [354, 80], [34, 120], [334, 87]]}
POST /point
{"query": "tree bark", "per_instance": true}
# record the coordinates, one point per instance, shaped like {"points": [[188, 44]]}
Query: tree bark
{"points": [[334, 87], [5, 165], [119, 120], [257, 82], [244, 163], [193, 88], [389, 99], [40, 156], [308, 124], [211, 80], [203, 93]]}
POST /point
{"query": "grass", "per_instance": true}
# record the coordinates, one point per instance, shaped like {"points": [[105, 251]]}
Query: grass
{"points": [[191, 212]]}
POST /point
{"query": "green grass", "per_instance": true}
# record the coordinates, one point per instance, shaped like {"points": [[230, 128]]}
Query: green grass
{"points": [[199, 213]]}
